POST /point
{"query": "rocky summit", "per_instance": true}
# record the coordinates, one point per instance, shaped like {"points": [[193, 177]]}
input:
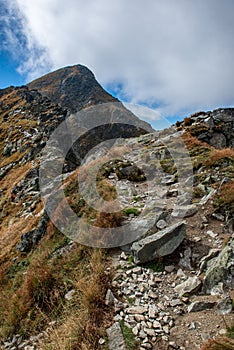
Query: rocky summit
{"points": [[72, 87], [113, 235]]}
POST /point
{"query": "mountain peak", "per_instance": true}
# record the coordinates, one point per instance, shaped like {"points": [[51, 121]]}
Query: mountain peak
{"points": [[73, 87]]}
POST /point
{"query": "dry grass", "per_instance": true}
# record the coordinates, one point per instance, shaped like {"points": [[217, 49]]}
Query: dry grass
{"points": [[106, 190], [194, 145], [108, 220], [13, 225], [35, 284], [40, 291], [84, 322], [225, 198], [222, 343], [219, 156]]}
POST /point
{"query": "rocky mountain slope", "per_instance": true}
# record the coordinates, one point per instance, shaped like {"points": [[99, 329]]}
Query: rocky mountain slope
{"points": [[73, 87], [165, 197]]}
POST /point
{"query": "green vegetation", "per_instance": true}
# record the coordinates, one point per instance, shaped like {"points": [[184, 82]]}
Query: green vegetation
{"points": [[131, 259], [155, 265], [130, 300], [230, 331], [130, 211], [129, 337]]}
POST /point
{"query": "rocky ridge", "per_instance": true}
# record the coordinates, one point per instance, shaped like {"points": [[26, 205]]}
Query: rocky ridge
{"points": [[73, 87], [189, 238]]}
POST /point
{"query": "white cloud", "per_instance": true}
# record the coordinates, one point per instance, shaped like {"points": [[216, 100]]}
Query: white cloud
{"points": [[177, 55]]}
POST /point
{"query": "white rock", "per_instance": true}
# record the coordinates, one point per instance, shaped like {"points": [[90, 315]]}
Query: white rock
{"points": [[135, 330], [212, 234], [101, 341], [139, 318], [157, 325], [152, 295], [70, 294], [152, 312], [137, 310], [166, 329], [149, 331]]}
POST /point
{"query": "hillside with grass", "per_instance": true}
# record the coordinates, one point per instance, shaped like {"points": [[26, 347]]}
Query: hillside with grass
{"points": [[165, 281]]}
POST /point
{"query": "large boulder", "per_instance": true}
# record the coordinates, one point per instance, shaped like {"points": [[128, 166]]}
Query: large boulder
{"points": [[188, 287], [159, 244]]}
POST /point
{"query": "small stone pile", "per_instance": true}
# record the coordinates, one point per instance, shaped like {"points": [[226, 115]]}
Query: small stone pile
{"points": [[146, 308], [150, 303]]}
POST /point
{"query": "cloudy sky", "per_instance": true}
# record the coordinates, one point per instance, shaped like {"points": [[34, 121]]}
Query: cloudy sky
{"points": [[176, 56]]}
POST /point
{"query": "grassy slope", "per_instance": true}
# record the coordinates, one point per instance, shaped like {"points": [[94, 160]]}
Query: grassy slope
{"points": [[35, 284]]}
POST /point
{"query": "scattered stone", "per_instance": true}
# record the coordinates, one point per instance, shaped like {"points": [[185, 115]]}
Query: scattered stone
{"points": [[185, 262], [218, 289], [168, 180], [204, 219], [175, 302], [212, 234], [203, 264], [192, 326], [222, 331], [173, 345], [218, 216], [101, 341], [137, 310], [205, 199], [152, 295], [180, 273], [123, 256]]}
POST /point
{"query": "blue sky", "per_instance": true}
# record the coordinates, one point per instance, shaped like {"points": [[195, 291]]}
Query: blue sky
{"points": [[9, 74], [175, 57]]}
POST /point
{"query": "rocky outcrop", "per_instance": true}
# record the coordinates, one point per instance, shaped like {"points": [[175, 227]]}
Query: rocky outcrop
{"points": [[30, 239], [214, 127], [220, 269]]}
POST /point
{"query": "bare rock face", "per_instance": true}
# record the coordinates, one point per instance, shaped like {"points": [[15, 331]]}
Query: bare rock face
{"points": [[159, 244]]}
